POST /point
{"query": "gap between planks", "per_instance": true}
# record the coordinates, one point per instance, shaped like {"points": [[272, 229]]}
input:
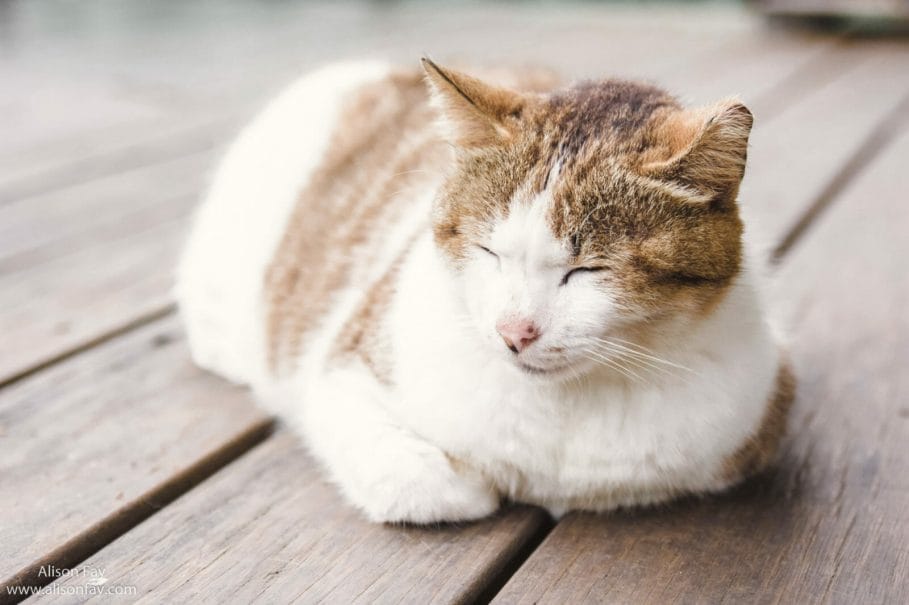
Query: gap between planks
{"points": [[92, 539], [99, 339], [497, 582], [886, 131]]}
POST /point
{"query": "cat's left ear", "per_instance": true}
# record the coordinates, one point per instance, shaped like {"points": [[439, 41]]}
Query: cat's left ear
{"points": [[474, 113], [704, 149]]}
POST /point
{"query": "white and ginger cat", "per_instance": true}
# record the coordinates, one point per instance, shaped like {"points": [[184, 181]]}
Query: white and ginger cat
{"points": [[544, 300]]}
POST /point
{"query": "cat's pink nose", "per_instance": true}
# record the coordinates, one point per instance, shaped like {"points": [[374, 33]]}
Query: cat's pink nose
{"points": [[518, 334]]}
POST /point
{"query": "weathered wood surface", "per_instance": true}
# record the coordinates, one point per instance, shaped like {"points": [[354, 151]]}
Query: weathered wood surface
{"points": [[270, 529], [92, 211], [831, 523], [94, 444], [79, 264], [820, 137]]}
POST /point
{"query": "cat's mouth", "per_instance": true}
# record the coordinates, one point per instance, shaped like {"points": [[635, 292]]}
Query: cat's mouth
{"points": [[538, 371]]}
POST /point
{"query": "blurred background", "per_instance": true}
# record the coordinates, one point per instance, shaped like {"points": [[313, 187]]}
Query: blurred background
{"points": [[71, 69]]}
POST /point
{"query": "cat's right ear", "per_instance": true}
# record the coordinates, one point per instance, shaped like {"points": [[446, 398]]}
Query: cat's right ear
{"points": [[706, 149], [473, 113]]}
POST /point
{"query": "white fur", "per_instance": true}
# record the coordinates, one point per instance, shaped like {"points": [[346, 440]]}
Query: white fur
{"points": [[585, 434], [244, 215]]}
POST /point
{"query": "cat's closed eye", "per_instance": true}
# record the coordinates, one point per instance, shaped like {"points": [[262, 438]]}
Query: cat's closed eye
{"points": [[577, 270], [487, 251]]}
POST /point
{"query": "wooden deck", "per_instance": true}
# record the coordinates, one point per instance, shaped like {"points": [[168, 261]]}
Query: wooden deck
{"points": [[119, 458]]}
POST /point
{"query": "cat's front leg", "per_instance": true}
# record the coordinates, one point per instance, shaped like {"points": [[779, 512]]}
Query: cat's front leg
{"points": [[382, 467]]}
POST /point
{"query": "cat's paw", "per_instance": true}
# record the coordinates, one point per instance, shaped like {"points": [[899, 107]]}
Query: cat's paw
{"points": [[428, 489]]}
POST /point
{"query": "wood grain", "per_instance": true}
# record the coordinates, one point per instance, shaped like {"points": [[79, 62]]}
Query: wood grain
{"points": [[112, 152], [831, 522], [93, 445], [794, 154], [46, 227], [270, 529], [60, 307]]}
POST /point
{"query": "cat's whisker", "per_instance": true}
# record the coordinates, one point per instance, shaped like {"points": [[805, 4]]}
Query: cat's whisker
{"points": [[614, 364], [613, 367], [587, 216], [638, 363], [642, 354], [405, 172], [634, 345], [641, 362], [575, 375], [642, 350], [647, 366], [656, 370]]}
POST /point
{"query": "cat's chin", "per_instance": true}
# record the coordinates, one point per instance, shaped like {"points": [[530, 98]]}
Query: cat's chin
{"points": [[553, 372]]}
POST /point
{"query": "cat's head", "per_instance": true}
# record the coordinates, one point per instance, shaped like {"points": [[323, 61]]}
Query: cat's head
{"points": [[586, 219]]}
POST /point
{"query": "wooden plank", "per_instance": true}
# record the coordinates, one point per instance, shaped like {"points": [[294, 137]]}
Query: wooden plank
{"points": [[37, 229], [81, 263], [195, 73], [113, 151], [270, 529], [796, 154], [63, 306], [95, 444], [768, 68], [32, 100], [831, 523]]}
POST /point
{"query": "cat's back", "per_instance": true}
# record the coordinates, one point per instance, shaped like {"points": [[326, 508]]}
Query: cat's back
{"points": [[310, 202]]}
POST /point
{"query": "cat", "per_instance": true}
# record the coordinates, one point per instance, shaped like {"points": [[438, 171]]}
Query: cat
{"points": [[462, 291]]}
